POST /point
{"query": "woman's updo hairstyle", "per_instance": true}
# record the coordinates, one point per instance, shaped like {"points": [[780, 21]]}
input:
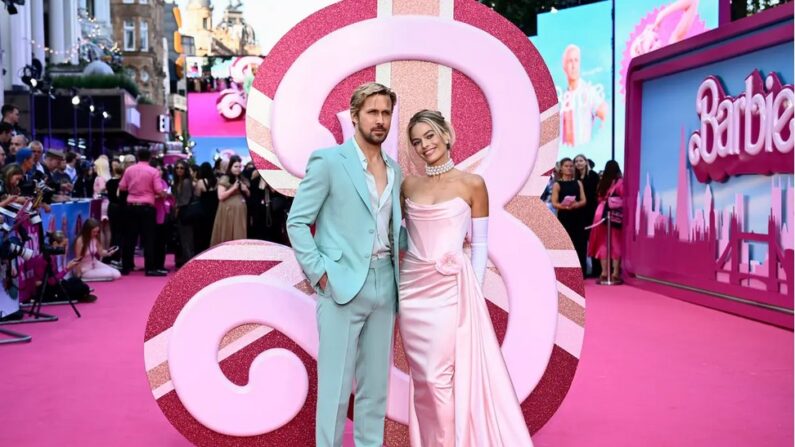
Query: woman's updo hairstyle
{"points": [[436, 121]]}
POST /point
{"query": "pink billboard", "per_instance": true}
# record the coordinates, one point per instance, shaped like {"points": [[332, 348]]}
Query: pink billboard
{"points": [[218, 93], [709, 164]]}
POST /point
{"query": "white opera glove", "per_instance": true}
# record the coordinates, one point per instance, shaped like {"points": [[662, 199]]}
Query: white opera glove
{"points": [[479, 242]]}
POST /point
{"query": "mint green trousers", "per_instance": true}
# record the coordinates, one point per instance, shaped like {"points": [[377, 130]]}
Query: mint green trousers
{"points": [[356, 342]]}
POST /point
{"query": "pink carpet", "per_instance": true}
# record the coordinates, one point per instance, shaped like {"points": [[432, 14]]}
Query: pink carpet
{"points": [[654, 372]]}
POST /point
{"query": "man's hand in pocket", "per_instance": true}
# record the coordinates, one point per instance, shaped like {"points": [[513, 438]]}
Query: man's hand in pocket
{"points": [[323, 281]]}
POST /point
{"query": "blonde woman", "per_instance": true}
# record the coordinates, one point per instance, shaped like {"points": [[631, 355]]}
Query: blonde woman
{"points": [[461, 392], [102, 169]]}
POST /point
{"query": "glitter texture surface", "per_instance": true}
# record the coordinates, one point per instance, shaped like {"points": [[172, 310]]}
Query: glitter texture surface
{"points": [[416, 84], [298, 432], [571, 277], [479, 15], [188, 281], [415, 7], [535, 214], [571, 310], [551, 390], [158, 375], [550, 129], [236, 333], [471, 117], [304, 34]]}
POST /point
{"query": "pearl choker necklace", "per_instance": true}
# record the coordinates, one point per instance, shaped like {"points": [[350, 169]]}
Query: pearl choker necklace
{"points": [[448, 166]]}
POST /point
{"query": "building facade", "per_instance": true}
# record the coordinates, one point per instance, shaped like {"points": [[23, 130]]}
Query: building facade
{"points": [[138, 31], [22, 38], [232, 36]]}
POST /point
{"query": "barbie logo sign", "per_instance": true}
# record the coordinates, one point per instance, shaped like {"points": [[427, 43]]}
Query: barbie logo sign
{"points": [[748, 134]]}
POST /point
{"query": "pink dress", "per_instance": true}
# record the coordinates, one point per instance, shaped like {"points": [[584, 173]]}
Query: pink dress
{"points": [[92, 269], [461, 393], [597, 243]]}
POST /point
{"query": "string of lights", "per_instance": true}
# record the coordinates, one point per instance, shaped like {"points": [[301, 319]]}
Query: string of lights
{"points": [[95, 33]]}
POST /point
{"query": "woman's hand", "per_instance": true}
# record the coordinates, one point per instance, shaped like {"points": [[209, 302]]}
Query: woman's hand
{"points": [[8, 200]]}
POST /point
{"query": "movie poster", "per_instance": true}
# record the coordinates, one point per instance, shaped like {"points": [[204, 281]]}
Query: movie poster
{"points": [[217, 96], [643, 26], [716, 192], [575, 44]]}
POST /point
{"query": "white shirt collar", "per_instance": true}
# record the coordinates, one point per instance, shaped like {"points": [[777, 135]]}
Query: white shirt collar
{"points": [[363, 158]]}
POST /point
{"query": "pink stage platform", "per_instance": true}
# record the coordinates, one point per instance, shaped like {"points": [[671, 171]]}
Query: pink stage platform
{"points": [[654, 371]]}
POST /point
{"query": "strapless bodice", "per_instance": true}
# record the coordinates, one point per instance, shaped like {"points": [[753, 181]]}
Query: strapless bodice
{"points": [[437, 229]]}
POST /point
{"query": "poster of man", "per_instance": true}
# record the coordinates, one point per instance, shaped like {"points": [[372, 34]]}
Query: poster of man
{"points": [[582, 103], [575, 44]]}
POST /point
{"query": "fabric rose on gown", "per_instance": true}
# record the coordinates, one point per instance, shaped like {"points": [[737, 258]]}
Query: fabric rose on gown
{"points": [[449, 264]]}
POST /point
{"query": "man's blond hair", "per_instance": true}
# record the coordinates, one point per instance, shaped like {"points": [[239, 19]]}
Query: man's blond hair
{"points": [[365, 91]]}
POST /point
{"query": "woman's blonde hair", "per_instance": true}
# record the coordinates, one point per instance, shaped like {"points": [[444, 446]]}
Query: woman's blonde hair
{"points": [[436, 121], [365, 91], [587, 166], [102, 166]]}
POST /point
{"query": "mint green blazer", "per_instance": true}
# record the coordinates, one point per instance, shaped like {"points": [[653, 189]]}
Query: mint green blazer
{"points": [[333, 196]]}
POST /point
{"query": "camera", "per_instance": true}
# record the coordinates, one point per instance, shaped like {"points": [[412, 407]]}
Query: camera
{"points": [[49, 249], [12, 247], [11, 5]]}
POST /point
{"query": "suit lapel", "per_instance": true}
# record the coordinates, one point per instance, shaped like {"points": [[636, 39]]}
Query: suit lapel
{"points": [[395, 187], [396, 211], [353, 167]]}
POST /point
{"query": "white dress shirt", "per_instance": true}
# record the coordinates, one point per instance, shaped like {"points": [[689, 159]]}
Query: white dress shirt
{"points": [[380, 206]]}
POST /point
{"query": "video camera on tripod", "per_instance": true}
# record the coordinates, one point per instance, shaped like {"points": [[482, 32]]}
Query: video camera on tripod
{"points": [[15, 234]]}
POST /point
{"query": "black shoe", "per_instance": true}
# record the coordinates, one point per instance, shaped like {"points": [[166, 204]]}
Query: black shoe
{"points": [[155, 273], [162, 270], [87, 298], [124, 272]]}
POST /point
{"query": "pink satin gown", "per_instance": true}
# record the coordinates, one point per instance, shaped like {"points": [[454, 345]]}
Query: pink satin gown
{"points": [[461, 393]]}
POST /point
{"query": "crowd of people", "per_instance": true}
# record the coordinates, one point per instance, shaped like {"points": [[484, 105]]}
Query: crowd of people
{"points": [[582, 198], [180, 208], [186, 208]]}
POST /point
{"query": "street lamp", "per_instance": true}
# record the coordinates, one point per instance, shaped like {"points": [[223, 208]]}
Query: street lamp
{"points": [[29, 73], [50, 98], [75, 106], [105, 117], [91, 109]]}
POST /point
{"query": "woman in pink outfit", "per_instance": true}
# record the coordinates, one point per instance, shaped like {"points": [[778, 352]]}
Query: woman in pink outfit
{"points": [[611, 184], [461, 393], [102, 168], [89, 250]]}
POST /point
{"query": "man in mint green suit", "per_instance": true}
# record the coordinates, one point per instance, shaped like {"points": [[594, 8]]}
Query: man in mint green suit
{"points": [[351, 193]]}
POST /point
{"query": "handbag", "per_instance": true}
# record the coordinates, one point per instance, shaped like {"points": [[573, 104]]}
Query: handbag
{"points": [[614, 208], [191, 213]]}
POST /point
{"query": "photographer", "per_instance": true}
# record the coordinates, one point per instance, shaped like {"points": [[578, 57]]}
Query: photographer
{"points": [[51, 169], [71, 285]]}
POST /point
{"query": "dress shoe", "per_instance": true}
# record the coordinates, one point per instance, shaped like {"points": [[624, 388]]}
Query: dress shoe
{"points": [[155, 273], [124, 272], [162, 270], [90, 298]]}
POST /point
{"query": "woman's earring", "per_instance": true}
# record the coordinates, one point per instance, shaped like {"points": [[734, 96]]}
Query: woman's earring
{"points": [[448, 145]]}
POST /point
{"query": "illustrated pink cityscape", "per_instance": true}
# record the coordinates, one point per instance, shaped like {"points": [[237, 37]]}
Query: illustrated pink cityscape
{"points": [[715, 245]]}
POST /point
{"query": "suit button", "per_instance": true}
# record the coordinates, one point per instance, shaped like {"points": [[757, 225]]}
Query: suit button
{"points": [[366, 256], [372, 231]]}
